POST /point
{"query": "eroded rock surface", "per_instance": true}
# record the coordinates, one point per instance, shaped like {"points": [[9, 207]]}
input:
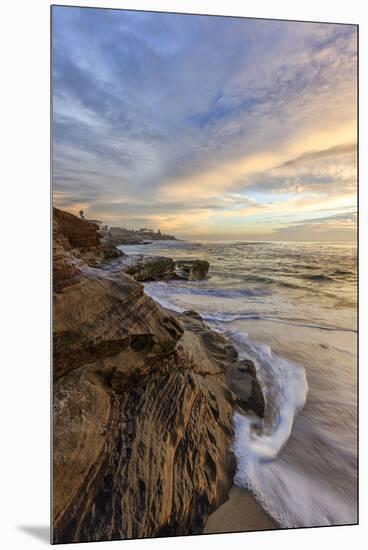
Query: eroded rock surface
{"points": [[142, 410], [81, 238], [242, 380], [193, 270], [143, 418], [158, 268], [151, 268]]}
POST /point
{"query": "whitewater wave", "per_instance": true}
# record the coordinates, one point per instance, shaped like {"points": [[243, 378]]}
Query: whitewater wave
{"points": [[230, 317], [285, 388], [265, 466], [164, 294], [285, 491], [201, 290]]}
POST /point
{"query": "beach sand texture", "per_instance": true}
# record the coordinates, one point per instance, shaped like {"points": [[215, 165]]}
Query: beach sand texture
{"points": [[240, 513]]}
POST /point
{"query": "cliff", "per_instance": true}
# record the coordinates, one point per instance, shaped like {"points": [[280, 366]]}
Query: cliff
{"points": [[142, 425], [80, 238]]}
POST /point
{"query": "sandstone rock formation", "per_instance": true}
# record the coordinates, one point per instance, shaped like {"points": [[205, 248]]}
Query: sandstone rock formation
{"points": [[142, 425], [81, 238], [151, 269], [242, 380], [158, 268], [193, 270]]}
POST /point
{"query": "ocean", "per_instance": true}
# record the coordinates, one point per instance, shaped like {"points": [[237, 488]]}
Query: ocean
{"points": [[291, 308]]}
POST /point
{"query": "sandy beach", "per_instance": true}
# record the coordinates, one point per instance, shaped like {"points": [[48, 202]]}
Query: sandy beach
{"points": [[240, 513]]}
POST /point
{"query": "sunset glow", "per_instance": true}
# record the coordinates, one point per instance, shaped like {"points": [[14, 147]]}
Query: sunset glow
{"points": [[207, 127]]}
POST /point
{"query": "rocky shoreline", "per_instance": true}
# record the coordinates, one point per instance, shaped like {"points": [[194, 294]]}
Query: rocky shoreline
{"points": [[116, 236], [143, 399], [145, 268]]}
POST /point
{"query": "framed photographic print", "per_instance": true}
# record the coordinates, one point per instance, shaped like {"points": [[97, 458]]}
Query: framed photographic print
{"points": [[204, 180]]}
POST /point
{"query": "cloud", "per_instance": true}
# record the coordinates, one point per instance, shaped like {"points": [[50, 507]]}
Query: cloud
{"points": [[345, 218], [336, 228], [348, 148], [199, 121]]}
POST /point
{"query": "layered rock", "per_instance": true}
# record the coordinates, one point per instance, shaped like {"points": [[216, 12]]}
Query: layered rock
{"points": [[193, 270], [242, 380], [81, 238], [142, 424], [81, 234], [142, 415], [151, 268], [141, 445], [158, 268]]}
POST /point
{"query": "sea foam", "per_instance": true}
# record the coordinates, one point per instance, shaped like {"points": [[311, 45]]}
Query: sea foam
{"points": [[292, 497]]}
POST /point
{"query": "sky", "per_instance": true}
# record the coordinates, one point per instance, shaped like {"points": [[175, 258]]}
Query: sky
{"points": [[212, 128]]}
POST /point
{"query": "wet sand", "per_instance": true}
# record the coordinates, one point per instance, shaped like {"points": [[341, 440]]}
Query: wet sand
{"points": [[240, 513]]}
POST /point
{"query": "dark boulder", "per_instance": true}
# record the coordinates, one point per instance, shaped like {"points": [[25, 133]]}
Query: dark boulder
{"points": [[193, 270], [151, 269]]}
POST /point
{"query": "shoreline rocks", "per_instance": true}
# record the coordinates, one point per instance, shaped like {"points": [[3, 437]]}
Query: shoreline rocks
{"points": [[142, 425], [81, 239], [142, 415], [152, 269], [193, 270], [158, 268]]}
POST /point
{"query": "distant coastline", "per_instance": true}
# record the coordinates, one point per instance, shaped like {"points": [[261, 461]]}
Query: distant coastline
{"points": [[122, 235]]}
